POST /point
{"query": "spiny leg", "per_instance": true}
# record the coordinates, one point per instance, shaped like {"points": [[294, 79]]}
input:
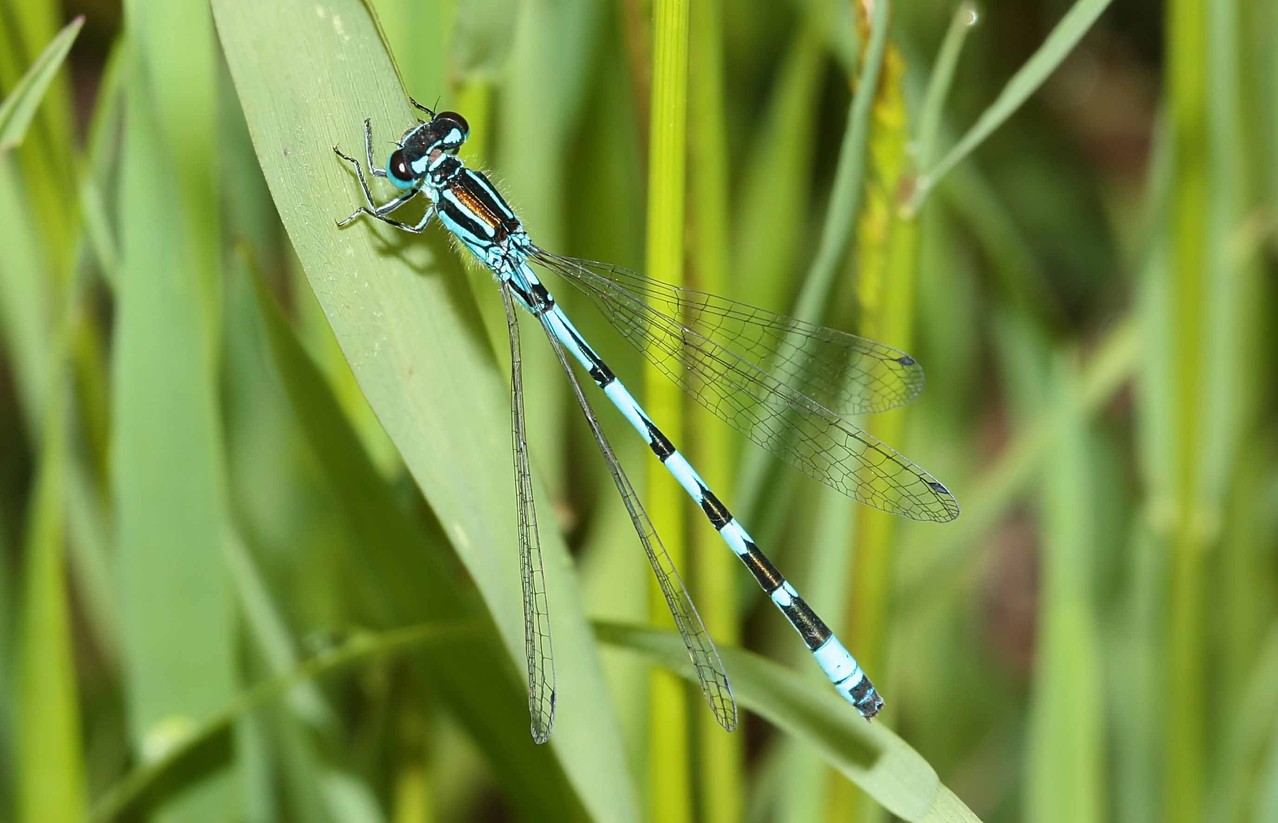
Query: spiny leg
{"points": [[368, 149], [416, 228], [537, 645], [363, 181], [381, 211]]}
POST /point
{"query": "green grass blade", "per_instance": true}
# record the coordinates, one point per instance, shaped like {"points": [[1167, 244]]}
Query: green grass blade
{"points": [[138, 788], [1184, 319], [886, 286], [88, 509], [774, 203], [849, 177], [408, 328], [669, 759], [1027, 80], [1237, 316], [1245, 739], [20, 106], [177, 69], [268, 629], [25, 298], [1066, 752], [941, 80], [720, 757], [868, 754], [51, 779], [177, 616], [47, 160], [310, 722], [840, 219]]}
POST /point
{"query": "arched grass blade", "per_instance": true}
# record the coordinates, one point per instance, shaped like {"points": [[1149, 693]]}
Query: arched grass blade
{"points": [[868, 754]]}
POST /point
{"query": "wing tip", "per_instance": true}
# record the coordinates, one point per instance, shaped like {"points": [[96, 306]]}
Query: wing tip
{"points": [[947, 500], [543, 722]]}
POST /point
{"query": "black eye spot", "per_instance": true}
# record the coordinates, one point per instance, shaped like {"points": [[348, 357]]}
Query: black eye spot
{"points": [[399, 167]]}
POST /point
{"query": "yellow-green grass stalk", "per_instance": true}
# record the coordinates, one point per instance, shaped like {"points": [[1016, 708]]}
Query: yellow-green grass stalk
{"points": [[51, 781], [1214, 107], [1177, 495], [886, 280], [669, 760], [886, 283], [720, 756]]}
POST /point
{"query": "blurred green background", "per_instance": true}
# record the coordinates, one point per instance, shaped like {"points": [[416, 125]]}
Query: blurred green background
{"points": [[257, 544]]}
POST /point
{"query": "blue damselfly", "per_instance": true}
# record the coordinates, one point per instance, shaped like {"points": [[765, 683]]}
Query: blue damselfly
{"points": [[786, 384]]}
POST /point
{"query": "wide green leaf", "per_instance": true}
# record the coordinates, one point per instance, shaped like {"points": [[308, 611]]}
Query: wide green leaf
{"points": [[178, 623], [307, 77]]}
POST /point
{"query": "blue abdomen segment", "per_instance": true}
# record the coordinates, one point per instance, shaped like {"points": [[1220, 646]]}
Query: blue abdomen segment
{"points": [[834, 659], [845, 673]]}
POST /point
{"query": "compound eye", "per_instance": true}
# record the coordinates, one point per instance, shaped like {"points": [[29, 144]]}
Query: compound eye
{"points": [[453, 128], [398, 170]]}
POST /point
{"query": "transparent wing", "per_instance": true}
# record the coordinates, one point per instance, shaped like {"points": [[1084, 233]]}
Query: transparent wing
{"points": [[784, 383], [705, 658], [537, 645], [846, 374]]}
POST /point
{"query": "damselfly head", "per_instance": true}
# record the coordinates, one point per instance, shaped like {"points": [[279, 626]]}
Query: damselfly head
{"points": [[424, 145], [445, 132]]}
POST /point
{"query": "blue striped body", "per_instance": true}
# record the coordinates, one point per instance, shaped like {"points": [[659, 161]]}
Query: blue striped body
{"points": [[738, 390]]}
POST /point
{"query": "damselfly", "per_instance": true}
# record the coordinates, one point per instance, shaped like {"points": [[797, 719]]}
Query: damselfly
{"points": [[786, 384]]}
